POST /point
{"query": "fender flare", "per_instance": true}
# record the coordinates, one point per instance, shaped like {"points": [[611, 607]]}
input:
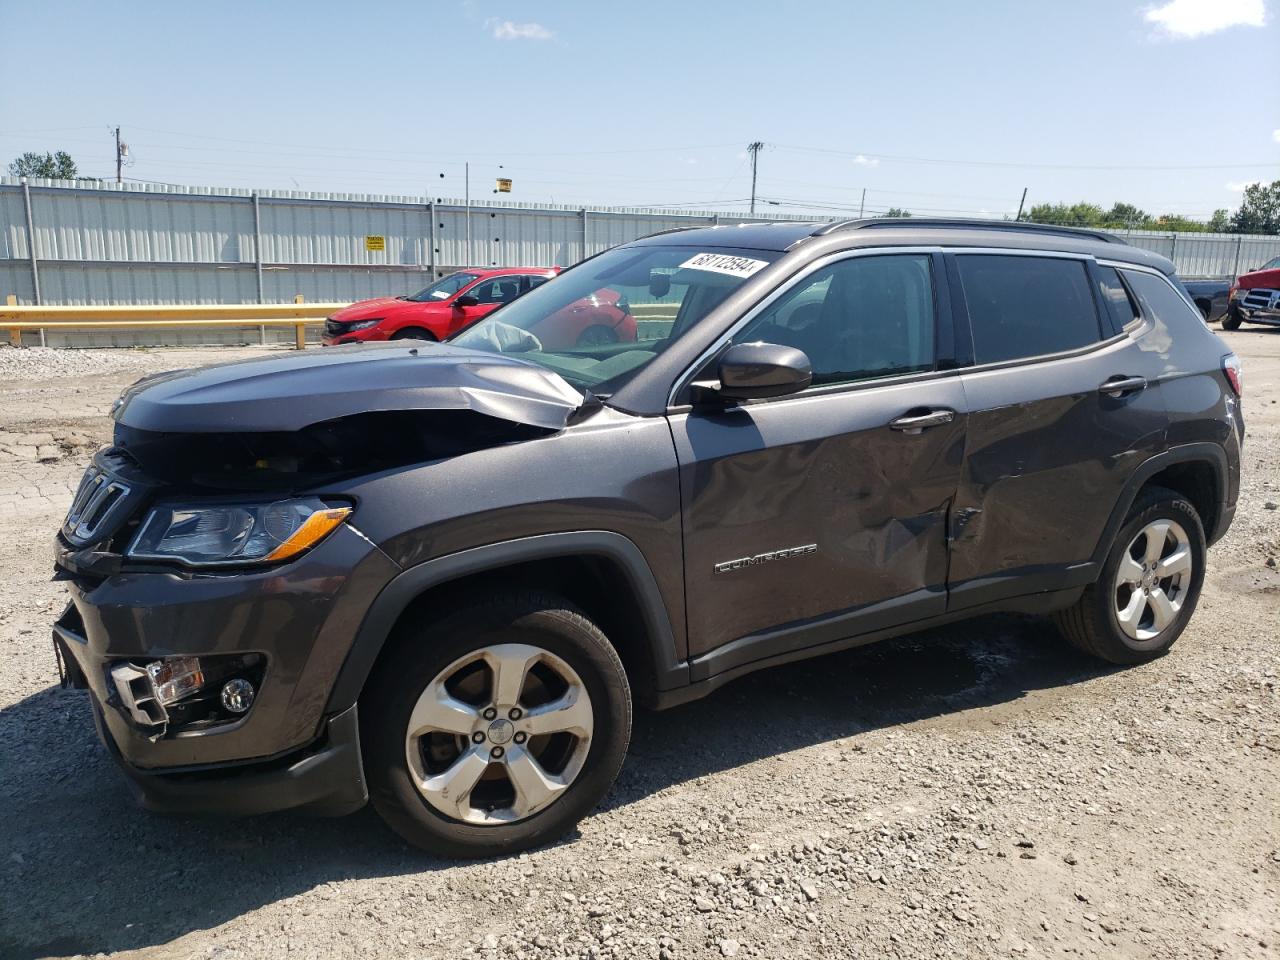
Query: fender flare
{"points": [[408, 585], [1186, 453]]}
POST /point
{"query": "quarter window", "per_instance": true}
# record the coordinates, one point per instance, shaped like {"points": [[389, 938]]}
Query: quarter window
{"points": [[1116, 297], [857, 319], [1027, 306], [1162, 301]]}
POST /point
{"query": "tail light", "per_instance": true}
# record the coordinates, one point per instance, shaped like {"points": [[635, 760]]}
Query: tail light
{"points": [[1234, 371]]}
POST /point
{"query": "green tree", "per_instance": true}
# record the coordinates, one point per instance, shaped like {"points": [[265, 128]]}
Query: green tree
{"points": [[51, 166], [896, 212], [1062, 214], [1126, 215], [1179, 224], [1259, 210], [1220, 222]]}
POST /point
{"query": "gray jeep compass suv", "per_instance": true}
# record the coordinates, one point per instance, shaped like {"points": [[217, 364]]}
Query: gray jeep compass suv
{"points": [[437, 575]]}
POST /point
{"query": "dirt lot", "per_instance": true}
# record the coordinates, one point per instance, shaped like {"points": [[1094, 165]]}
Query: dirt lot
{"points": [[980, 791]]}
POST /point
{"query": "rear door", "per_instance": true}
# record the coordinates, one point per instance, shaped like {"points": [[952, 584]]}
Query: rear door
{"points": [[812, 518], [1064, 402]]}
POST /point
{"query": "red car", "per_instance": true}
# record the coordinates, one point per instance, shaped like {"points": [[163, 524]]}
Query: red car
{"points": [[460, 299]]}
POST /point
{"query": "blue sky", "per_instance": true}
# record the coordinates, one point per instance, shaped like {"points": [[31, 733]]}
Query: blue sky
{"points": [[940, 107]]}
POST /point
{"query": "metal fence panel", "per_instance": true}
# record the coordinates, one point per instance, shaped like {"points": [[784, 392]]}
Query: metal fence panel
{"points": [[95, 225], [13, 226], [328, 284], [15, 278]]}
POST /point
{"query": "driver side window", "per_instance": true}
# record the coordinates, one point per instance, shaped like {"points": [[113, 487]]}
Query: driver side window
{"points": [[857, 319]]}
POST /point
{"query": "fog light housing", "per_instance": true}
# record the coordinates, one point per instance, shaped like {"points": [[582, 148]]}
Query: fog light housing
{"points": [[185, 695], [175, 677], [237, 695]]}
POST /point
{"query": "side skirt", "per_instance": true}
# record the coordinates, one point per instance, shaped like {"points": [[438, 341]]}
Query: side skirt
{"points": [[742, 663]]}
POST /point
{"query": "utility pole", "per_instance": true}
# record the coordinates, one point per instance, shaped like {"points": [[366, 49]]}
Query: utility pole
{"points": [[119, 156], [754, 149], [863, 205], [1020, 203], [467, 176]]}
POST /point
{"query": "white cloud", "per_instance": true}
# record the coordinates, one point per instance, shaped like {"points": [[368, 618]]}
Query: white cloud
{"points": [[507, 30], [1237, 186], [1183, 19], [1275, 135], [691, 161], [864, 161]]}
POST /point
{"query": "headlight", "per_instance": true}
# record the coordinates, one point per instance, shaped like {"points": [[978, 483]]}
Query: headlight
{"points": [[223, 535], [365, 324], [1235, 293]]}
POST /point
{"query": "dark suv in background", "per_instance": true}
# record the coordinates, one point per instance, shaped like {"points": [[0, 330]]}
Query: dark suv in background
{"points": [[437, 575]]}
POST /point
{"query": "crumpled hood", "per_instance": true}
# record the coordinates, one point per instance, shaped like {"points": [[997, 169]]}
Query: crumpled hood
{"points": [[1266, 279], [292, 392]]}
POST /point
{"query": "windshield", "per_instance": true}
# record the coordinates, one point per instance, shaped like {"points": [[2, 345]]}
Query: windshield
{"points": [[599, 323], [443, 288]]}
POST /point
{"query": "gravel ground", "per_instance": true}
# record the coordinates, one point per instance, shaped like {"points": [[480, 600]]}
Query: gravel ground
{"points": [[978, 791]]}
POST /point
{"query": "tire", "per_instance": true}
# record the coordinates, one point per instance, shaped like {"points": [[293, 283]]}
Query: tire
{"points": [[1094, 623], [597, 335], [421, 657], [1231, 319], [414, 333]]}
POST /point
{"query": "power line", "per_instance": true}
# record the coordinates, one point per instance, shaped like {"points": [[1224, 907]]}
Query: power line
{"points": [[1025, 165]]}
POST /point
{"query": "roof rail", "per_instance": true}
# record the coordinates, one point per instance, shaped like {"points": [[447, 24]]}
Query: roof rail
{"points": [[1011, 225]]}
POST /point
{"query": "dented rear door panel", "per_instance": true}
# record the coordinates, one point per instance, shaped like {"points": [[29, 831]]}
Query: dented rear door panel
{"points": [[1048, 456]]}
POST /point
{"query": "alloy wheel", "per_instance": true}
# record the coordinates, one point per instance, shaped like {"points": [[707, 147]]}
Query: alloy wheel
{"points": [[499, 734], [1152, 581]]}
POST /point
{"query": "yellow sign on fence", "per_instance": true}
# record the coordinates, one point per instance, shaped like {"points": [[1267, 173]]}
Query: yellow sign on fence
{"points": [[504, 185], [375, 242]]}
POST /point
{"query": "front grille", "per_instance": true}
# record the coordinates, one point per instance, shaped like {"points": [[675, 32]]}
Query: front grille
{"points": [[1259, 299], [98, 508]]}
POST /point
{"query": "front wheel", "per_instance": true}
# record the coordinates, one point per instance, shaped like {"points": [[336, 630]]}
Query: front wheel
{"points": [[414, 333], [597, 335], [1149, 586], [1231, 319], [496, 728]]}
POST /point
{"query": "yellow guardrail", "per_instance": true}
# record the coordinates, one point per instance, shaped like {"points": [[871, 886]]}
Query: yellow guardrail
{"points": [[298, 315]]}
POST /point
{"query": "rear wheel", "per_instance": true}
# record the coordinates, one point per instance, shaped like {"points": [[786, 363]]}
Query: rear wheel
{"points": [[1149, 586], [413, 333], [496, 728]]}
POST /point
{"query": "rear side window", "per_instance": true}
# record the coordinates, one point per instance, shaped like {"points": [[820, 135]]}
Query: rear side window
{"points": [[1161, 300], [1027, 306], [1116, 297]]}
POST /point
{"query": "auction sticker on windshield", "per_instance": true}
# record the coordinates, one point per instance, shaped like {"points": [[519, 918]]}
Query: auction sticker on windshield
{"points": [[724, 263]]}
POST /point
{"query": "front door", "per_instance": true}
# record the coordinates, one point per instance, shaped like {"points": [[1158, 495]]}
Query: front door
{"points": [[490, 293], [813, 518]]}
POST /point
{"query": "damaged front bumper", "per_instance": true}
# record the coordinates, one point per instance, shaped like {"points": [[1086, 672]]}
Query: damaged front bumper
{"points": [[298, 619]]}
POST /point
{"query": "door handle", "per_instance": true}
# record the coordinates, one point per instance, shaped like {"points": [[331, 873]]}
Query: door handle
{"points": [[913, 423], [1118, 386]]}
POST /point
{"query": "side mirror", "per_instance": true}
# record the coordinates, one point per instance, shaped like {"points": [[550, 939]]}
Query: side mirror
{"points": [[467, 301], [753, 371]]}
